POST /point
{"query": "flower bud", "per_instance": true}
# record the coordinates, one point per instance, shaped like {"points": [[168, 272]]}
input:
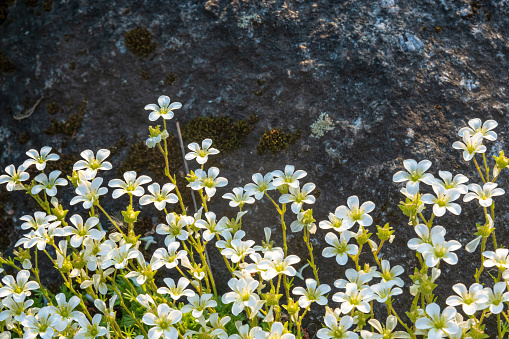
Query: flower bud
{"points": [[130, 215], [272, 298], [362, 236], [74, 178], [292, 308], [501, 160], [384, 233]]}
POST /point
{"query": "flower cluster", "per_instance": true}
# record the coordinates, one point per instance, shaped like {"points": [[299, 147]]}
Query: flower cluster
{"points": [[115, 287]]}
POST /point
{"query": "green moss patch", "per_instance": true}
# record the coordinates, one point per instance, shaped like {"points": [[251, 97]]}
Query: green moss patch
{"points": [[139, 41], [227, 134], [23, 137], [170, 78], [69, 126], [52, 108], [6, 65], [275, 140]]}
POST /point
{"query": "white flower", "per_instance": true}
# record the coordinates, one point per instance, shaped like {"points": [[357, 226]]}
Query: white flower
{"points": [[90, 330], [176, 291], [83, 231], [159, 196], [18, 289], [278, 265], [449, 182], [242, 294], [471, 145], [390, 274], [304, 219], [476, 126], [40, 160], [208, 180], [425, 236], [164, 109], [44, 324], [89, 192], [276, 332], [484, 194], [384, 290], [471, 300], [499, 258], [438, 324], [353, 298], [210, 226], [64, 311], [15, 309], [238, 250], [92, 163], [359, 278], [312, 293], [14, 177], [107, 311], [48, 184], [497, 297], [120, 256], [131, 185], [267, 247], [335, 330], [246, 333], [340, 247], [386, 332], [201, 154], [198, 304], [175, 227], [298, 197], [355, 214], [155, 137], [260, 186], [443, 200], [414, 175], [439, 249], [169, 258], [239, 197], [290, 177], [41, 220]]}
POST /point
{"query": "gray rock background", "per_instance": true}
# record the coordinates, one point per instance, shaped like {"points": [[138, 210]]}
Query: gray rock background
{"points": [[397, 79]]}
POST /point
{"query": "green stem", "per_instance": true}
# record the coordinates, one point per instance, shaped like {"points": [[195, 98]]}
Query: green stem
{"points": [[479, 169]]}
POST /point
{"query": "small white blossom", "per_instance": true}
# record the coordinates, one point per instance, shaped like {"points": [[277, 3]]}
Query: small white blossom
{"points": [[297, 197], [425, 236], [92, 163], [40, 160], [438, 324], [239, 197], [201, 154], [164, 110], [198, 304], [335, 330], [353, 298], [439, 249], [260, 186], [443, 200], [390, 274], [497, 297], [312, 293], [175, 228], [131, 185], [48, 183], [471, 145], [386, 332], [476, 126], [340, 247], [208, 180], [414, 175], [159, 197], [168, 258], [242, 294], [499, 258], [471, 300], [278, 265], [14, 177], [355, 213], [176, 291], [44, 324], [484, 194], [448, 182], [20, 288], [289, 177], [89, 192], [90, 330]]}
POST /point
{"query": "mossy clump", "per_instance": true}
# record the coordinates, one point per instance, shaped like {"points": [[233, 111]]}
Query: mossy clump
{"points": [[69, 126], [139, 41], [144, 74], [23, 137], [6, 65], [64, 164], [4, 10], [276, 139], [227, 134], [47, 5], [52, 108], [116, 147], [170, 78]]}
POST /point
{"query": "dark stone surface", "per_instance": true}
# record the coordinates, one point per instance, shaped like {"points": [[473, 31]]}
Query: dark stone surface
{"points": [[397, 78]]}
